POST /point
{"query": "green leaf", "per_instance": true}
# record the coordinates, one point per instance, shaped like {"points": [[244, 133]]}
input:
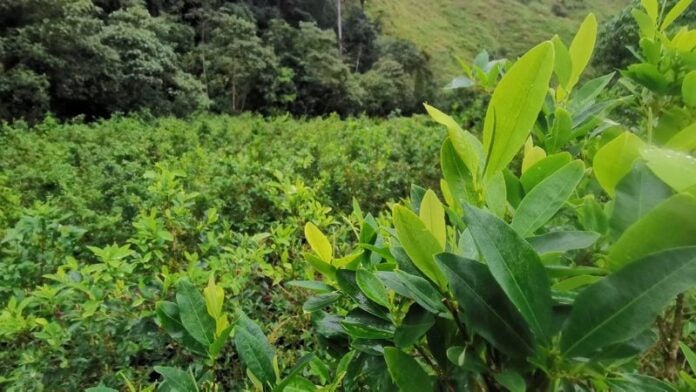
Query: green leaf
{"points": [[637, 194], [563, 241], [466, 145], [177, 380], [684, 140], [676, 169], [168, 316], [626, 303], [456, 175], [415, 288], [347, 281], [563, 64], [575, 282], [581, 49], [321, 266], [214, 298], [651, 8], [419, 243], [671, 224], [515, 266], [254, 350], [496, 194], [433, 215], [318, 242], [547, 198], [313, 285], [362, 325], [615, 159], [372, 287], [689, 355], [100, 388], [542, 169], [295, 371], [645, 24], [675, 13], [511, 380], [416, 323], [486, 308], [633, 382], [321, 301], [406, 372], [194, 314], [514, 107]]}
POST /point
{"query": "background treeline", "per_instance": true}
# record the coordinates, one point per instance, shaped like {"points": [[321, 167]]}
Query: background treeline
{"points": [[95, 58]]}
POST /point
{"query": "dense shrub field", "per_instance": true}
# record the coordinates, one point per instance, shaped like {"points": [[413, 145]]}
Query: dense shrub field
{"points": [[547, 243], [98, 220]]}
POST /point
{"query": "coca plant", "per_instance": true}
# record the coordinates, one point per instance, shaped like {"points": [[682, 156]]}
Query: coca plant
{"points": [[520, 279]]}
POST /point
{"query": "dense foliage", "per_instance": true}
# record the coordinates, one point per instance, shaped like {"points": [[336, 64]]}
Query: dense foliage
{"points": [[95, 58]]}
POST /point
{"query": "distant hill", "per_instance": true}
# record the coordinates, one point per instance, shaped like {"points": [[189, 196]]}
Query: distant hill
{"points": [[464, 27]]}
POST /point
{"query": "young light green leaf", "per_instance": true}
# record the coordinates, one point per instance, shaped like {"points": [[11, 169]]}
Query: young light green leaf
{"points": [[624, 304], [544, 201], [177, 379], [685, 140], [254, 350], [486, 308], [194, 314], [675, 13], [457, 176], [671, 224], [542, 169], [496, 194], [467, 146], [319, 243], [214, 298], [419, 243], [581, 49], [651, 8], [406, 372], [614, 160], [515, 266], [563, 64], [433, 215], [690, 356], [372, 287], [676, 169], [514, 107]]}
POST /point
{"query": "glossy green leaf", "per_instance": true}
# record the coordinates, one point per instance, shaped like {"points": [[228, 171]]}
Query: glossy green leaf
{"points": [[690, 356], [651, 8], [254, 350], [432, 213], [194, 314], [675, 13], [626, 303], [416, 323], [415, 288], [177, 380], [514, 107], [637, 194], [547, 198], [486, 308], [100, 388], [676, 169], [515, 266], [318, 242], [671, 224], [347, 281], [645, 24], [575, 282], [563, 65], [542, 169], [615, 159], [294, 372], [563, 241], [372, 287], [581, 49], [362, 325], [419, 243], [168, 316], [406, 372], [496, 194], [313, 285]]}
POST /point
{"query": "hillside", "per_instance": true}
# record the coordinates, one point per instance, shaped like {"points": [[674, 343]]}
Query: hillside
{"points": [[464, 27]]}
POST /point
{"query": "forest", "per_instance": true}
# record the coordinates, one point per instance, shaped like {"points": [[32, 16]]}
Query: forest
{"points": [[339, 195]]}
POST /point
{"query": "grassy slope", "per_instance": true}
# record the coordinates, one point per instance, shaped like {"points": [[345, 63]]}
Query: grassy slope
{"points": [[464, 27]]}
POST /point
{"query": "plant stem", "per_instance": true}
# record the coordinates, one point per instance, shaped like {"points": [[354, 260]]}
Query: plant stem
{"points": [[671, 363]]}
